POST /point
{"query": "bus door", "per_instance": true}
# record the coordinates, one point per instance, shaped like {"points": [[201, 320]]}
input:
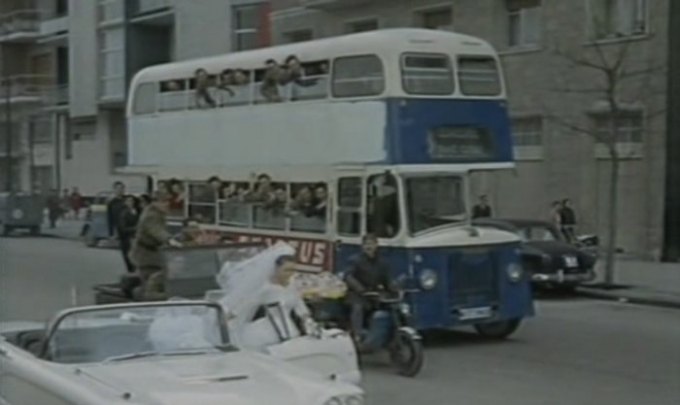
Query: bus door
{"points": [[366, 202], [348, 214]]}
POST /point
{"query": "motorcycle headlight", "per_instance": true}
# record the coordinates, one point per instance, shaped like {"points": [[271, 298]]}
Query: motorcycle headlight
{"points": [[405, 309], [428, 279], [514, 271]]}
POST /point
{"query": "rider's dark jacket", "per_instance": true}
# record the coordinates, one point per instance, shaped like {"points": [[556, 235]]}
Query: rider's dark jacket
{"points": [[366, 274]]}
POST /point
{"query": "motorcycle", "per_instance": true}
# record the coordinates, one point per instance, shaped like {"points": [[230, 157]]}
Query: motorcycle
{"points": [[388, 329]]}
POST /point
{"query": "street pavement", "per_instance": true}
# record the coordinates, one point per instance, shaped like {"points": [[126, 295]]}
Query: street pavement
{"points": [[575, 351]]}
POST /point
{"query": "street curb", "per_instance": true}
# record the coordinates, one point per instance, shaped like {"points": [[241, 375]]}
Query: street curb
{"points": [[612, 296]]}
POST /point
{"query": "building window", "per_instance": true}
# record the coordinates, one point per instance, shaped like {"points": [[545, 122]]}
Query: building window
{"points": [[610, 19], [60, 8], [112, 63], [111, 10], [630, 127], [251, 26], [298, 36], [524, 22], [527, 131], [361, 26], [437, 19], [41, 131]]}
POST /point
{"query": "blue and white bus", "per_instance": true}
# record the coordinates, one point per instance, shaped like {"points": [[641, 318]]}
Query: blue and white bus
{"points": [[372, 132]]}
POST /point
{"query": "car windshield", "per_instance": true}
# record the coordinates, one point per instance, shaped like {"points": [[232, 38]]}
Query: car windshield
{"points": [[434, 201], [537, 233], [126, 332]]}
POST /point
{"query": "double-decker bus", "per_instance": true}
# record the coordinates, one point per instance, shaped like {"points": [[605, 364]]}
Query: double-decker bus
{"points": [[319, 143]]}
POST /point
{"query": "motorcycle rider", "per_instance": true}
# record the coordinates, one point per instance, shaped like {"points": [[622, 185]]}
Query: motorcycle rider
{"points": [[367, 273]]}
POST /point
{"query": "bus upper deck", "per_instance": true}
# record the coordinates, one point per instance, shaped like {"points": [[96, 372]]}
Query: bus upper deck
{"points": [[402, 96]]}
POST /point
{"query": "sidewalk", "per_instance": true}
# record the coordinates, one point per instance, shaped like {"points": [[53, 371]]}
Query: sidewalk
{"points": [[646, 283]]}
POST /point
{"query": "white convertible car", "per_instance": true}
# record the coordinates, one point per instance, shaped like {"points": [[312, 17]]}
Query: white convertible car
{"points": [[166, 353]]}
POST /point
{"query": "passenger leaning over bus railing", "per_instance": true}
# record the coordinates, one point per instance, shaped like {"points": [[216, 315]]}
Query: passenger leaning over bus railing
{"points": [[226, 80], [320, 202], [269, 88], [203, 96], [293, 72], [302, 203], [262, 191]]}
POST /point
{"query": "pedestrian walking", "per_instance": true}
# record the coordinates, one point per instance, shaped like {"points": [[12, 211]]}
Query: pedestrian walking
{"points": [[53, 208], [76, 200], [152, 234], [127, 227], [482, 209], [114, 207], [568, 221], [555, 214]]}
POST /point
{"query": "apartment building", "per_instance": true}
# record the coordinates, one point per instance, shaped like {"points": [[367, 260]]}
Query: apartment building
{"points": [[540, 42], [96, 48], [26, 159]]}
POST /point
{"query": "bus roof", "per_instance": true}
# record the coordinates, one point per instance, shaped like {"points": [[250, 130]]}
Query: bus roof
{"points": [[373, 42]]}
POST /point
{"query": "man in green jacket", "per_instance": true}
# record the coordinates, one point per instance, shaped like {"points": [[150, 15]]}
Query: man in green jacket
{"points": [[152, 234]]}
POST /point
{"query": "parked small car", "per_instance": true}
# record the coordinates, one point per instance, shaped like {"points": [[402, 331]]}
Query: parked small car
{"points": [[547, 257], [21, 211]]}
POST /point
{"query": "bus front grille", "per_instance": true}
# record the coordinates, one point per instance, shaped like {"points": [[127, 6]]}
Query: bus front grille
{"points": [[473, 279]]}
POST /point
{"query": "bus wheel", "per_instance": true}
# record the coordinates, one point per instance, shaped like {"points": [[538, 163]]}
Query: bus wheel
{"points": [[498, 330], [35, 230]]}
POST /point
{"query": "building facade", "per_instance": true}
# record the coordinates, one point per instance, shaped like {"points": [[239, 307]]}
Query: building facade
{"points": [[556, 101], [96, 47], [26, 158]]}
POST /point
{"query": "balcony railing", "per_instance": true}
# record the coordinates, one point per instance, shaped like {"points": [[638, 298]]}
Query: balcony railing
{"points": [[25, 86], [332, 4], [57, 95], [20, 22], [149, 6]]}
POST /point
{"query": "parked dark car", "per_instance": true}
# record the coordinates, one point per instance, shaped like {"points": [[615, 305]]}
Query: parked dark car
{"points": [[547, 257]]}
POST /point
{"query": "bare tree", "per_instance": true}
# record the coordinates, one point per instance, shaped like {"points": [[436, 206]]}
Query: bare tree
{"points": [[614, 70]]}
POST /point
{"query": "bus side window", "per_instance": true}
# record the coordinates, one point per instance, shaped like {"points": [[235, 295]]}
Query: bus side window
{"points": [[145, 98], [358, 76], [478, 76], [202, 203], [382, 212], [349, 206]]}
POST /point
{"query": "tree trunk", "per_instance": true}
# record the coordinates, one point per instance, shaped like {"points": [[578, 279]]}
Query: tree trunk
{"points": [[613, 217]]}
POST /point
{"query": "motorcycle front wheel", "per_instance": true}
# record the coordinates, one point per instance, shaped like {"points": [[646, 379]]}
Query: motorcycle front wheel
{"points": [[406, 354]]}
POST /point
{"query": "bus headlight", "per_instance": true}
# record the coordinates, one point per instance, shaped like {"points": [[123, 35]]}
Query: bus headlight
{"points": [[428, 279], [514, 271]]}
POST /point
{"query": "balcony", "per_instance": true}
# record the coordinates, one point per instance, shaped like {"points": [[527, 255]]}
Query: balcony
{"points": [[20, 26], [151, 12], [56, 96], [54, 30], [331, 5], [25, 88]]}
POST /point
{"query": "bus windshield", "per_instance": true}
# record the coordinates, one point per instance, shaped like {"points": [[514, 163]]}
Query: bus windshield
{"points": [[433, 201]]}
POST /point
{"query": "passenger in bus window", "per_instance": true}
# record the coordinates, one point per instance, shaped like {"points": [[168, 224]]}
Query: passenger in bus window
{"points": [[278, 201], [293, 72], [228, 191], [270, 82], [203, 96], [241, 77], [176, 197], [320, 201], [303, 202], [262, 191], [226, 80]]}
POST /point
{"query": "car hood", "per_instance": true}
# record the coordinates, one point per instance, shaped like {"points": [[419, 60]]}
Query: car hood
{"points": [[460, 235], [238, 378]]}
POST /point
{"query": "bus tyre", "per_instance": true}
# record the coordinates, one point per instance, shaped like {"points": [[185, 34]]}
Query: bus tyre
{"points": [[6, 230], [35, 230], [498, 330], [406, 354]]}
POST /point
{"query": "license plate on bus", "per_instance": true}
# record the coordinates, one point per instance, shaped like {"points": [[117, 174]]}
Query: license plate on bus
{"points": [[475, 313]]}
